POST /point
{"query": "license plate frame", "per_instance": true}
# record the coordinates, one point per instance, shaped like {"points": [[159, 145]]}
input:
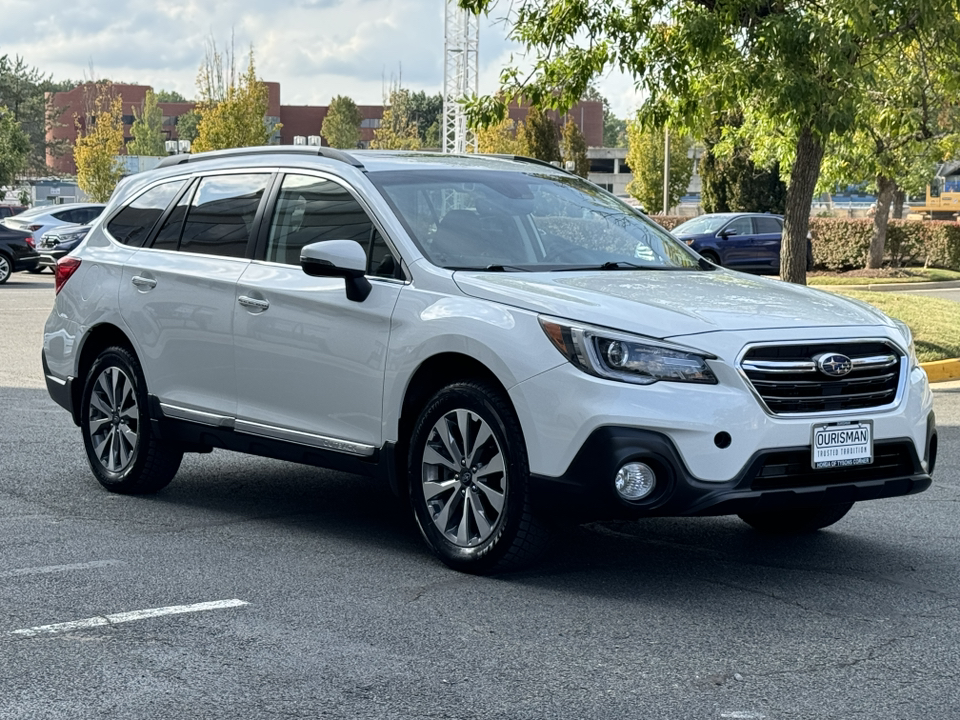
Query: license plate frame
{"points": [[832, 452]]}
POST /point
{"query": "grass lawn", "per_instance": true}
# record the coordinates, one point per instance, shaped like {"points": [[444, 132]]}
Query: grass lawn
{"points": [[935, 322], [904, 275]]}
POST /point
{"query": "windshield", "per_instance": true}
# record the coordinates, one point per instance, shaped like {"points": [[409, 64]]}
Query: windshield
{"points": [[703, 225], [490, 219]]}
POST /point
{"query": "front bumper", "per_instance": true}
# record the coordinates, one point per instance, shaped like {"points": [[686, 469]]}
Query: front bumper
{"points": [[773, 479], [48, 258]]}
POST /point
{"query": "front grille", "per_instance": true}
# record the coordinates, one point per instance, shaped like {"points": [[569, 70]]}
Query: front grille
{"points": [[792, 468], [789, 381]]}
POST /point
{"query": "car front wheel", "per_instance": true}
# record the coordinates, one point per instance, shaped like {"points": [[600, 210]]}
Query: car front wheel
{"points": [[796, 521], [123, 450], [469, 481], [6, 268]]}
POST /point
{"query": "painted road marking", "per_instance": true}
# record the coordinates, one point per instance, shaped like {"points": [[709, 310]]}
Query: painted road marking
{"points": [[743, 715], [58, 568], [125, 617]]}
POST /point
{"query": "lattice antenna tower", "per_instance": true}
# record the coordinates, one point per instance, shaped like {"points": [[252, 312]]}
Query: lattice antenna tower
{"points": [[461, 41]]}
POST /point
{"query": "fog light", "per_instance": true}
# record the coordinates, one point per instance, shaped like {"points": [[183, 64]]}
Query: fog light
{"points": [[635, 481]]}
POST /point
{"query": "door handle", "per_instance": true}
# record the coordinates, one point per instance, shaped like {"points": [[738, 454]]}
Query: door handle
{"points": [[253, 303], [143, 282]]}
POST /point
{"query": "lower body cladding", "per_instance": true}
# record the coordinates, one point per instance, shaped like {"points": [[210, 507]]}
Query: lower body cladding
{"points": [[776, 479]]}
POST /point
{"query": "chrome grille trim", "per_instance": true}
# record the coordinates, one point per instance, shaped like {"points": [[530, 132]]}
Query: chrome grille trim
{"points": [[765, 377]]}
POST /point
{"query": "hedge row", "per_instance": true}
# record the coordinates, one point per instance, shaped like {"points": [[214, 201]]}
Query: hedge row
{"points": [[842, 244], [668, 221]]}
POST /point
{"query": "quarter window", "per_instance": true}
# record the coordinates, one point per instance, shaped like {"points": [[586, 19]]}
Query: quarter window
{"points": [[133, 224], [311, 209], [221, 215]]}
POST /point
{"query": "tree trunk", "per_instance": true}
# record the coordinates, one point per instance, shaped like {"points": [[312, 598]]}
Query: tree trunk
{"points": [[796, 219], [899, 198], [886, 188]]}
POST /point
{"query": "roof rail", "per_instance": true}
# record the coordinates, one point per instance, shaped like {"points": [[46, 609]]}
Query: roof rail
{"points": [[532, 161], [315, 150]]}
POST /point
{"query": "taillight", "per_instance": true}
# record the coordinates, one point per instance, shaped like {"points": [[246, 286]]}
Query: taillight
{"points": [[66, 266], [31, 242]]}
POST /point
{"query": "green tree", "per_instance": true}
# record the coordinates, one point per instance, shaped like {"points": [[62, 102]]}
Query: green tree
{"points": [[574, 148], [187, 126], [23, 91], [426, 110], [645, 158], [170, 96], [239, 118], [14, 148], [800, 70], [341, 126], [99, 143], [905, 124], [732, 181], [540, 135], [398, 128], [147, 129]]}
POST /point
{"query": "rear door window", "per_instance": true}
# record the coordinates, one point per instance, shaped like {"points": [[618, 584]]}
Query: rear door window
{"points": [[132, 225], [767, 225], [221, 216]]}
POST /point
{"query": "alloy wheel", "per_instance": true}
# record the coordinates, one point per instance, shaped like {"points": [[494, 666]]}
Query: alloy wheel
{"points": [[464, 478], [4, 268], [114, 422]]}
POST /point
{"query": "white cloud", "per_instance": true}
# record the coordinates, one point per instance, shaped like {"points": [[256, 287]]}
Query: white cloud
{"points": [[315, 49]]}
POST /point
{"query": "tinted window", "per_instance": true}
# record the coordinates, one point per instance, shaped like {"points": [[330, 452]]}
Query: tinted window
{"points": [[133, 224], [312, 210], [741, 226], [65, 215], [767, 225], [89, 215], [221, 215], [168, 236]]}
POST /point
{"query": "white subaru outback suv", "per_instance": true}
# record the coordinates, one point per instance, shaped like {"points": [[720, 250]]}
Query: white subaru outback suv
{"points": [[499, 340]]}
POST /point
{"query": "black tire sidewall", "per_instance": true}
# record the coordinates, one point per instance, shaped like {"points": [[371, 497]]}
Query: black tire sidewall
{"points": [[496, 412], [4, 278], [124, 360]]}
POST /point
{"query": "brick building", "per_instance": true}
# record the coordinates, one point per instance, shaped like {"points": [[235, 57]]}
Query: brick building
{"points": [[296, 120]]}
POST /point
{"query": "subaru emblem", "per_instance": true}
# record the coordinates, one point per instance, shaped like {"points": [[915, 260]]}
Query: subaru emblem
{"points": [[834, 364]]}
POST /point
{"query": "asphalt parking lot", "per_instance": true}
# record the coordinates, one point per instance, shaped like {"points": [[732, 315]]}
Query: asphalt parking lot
{"points": [[259, 589]]}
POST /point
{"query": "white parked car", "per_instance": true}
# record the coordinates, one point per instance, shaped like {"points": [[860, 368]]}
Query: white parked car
{"points": [[504, 343], [43, 218]]}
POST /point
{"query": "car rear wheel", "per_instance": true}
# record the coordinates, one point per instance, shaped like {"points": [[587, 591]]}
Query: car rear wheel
{"points": [[6, 268], [796, 521], [469, 482], [123, 450]]}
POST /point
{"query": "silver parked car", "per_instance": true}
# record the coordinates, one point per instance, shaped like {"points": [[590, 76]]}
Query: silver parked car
{"points": [[42, 219]]}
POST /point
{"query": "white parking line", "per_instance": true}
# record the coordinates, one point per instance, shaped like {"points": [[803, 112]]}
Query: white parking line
{"points": [[58, 568], [124, 617]]}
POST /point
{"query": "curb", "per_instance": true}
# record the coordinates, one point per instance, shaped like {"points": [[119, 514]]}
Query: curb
{"points": [[942, 370], [893, 287]]}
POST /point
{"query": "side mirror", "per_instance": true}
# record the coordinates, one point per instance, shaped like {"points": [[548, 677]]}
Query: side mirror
{"points": [[727, 232], [338, 258]]}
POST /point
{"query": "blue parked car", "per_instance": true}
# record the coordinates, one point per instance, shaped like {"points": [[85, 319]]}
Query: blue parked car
{"points": [[739, 241]]}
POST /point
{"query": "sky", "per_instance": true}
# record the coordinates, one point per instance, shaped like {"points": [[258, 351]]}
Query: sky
{"points": [[315, 49]]}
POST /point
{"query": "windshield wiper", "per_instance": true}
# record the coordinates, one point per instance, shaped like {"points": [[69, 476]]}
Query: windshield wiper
{"points": [[617, 265], [490, 268]]}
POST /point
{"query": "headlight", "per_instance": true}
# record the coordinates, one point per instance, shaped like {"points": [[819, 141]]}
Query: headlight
{"points": [[72, 236], [628, 358], [911, 348]]}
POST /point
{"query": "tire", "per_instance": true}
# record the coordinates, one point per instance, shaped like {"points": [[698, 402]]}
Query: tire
{"points": [[123, 450], [471, 500], [6, 268], [711, 256], [797, 521]]}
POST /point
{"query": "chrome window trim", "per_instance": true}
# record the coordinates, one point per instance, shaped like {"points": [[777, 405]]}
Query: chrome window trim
{"points": [[380, 278], [893, 405], [189, 177], [368, 208]]}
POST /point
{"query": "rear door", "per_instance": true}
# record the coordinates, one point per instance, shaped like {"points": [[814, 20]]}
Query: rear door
{"points": [[177, 295], [769, 231], [310, 362]]}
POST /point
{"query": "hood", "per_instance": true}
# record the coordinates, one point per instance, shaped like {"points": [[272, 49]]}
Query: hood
{"points": [[670, 303]]}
